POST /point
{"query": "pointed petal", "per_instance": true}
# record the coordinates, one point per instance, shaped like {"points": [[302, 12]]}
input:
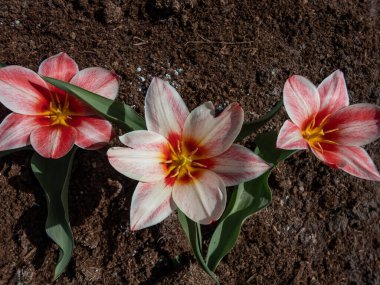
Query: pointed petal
{"points": [[142, 165], [333, 93], [356, 125], [238, 164], [23, 91], [151, 204], [92, 132], [301, 99], [16, 129], [165, 111], [98, 80], [203, 199], [290, 137], [59, 66], [144, 140], [53, 141], [351, 159], [212, 135]]}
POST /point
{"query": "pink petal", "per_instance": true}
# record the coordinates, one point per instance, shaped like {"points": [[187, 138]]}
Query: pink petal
{"points": [[151, 204], [59, 66], [290, 137], [53, 141], [142, 165], [92, 132], [212, 135], [301, 99], [238, 164], [144, 140], [351, 159], [203, 199], [16, 129], [356, 125], [165, 111], [23, 91], [98, 80], [333, 93]]}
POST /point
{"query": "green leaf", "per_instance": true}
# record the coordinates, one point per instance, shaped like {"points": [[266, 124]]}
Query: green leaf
{"points": [[7, 152], [121, 114], [54, 177], [251, 127], [246, 199], [2, 65], [194, 235]]}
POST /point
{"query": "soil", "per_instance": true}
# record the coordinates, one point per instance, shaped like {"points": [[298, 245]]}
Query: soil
{"points": [[322, 226]]}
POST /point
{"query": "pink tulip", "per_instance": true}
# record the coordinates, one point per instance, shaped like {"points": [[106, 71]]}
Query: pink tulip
{"points": [[323, 121], [47, 118], [184, 159]]}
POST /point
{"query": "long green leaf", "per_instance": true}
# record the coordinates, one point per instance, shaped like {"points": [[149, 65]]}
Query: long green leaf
{"points": [[247, 199], [194, 235], [121, 114], [54, 177], [251, 127]]}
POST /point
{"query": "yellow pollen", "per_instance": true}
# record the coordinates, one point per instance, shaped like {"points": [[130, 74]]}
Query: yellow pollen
{"points": [[315, 134], [58, 114]]}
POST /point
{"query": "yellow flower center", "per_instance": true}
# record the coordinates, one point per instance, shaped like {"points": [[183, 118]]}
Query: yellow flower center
{"points": [[315, 134], [181, 164], [59, 113]]}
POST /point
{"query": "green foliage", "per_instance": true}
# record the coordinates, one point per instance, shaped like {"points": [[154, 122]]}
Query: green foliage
{"points": [[7, 152], [121, 114], [54, 177]]}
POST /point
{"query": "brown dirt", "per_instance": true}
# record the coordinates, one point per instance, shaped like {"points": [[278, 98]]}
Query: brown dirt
{"points": [[323, 225]]}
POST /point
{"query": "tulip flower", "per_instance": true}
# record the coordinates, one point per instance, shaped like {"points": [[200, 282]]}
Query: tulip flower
{"points": [[184, 159], [46, 117], [322, 120]]}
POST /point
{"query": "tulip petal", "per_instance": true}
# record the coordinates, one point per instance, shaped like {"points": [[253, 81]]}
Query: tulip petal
{"points": [[97, 80], [53, 141], [23, 91], [92, 132], [203, 198], [144, 140], [151, 204], [16, 129], [290, 137], [142, 165], [351, 159], [212, 135], [59, 66], [301, 99], [165, 111], [356, 125], [238, 164], [333, 93]]}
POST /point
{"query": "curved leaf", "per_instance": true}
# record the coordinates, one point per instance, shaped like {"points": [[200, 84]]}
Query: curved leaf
{"points": [[119, 113], [251, 127], [194, 235], [54, 177]]}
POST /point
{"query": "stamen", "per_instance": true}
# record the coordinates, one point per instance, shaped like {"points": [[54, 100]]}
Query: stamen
{"points": [[320, 147], [331, 131], [179, 146], [324, 121], [199, 164], [193, 152], [188, 173], [176, 173]]}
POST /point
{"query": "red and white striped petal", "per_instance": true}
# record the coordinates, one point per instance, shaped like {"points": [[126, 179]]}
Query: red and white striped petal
{"points": [[97, 80], [142, 165], [165, 111], [92, 132], [16, 129], [301, 99], [53, 141], [333, 93], [23, 91], [212, 135], [151, 204], [59, 66], [238, 164], [144, 140], [202, 199], [351, 159], [356, 125], [290, 137]]}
